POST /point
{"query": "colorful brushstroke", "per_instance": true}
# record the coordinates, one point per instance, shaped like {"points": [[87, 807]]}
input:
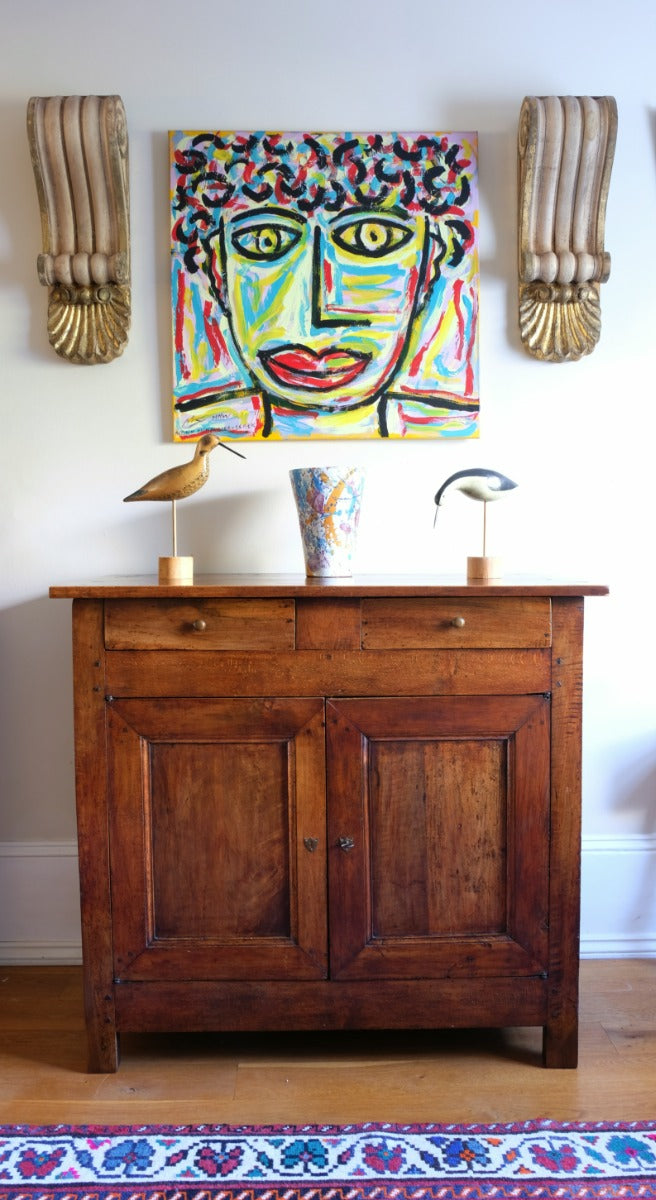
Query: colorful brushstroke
{"points": [[328, 503], [324, 285]]}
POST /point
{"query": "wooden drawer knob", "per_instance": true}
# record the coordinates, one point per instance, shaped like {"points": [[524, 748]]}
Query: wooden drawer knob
{"points": [[458, 622], [199, 625]]}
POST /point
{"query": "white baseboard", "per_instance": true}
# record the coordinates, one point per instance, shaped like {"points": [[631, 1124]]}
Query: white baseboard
{"points": [[619, 947], [39, 903], [618, 896], [40, 920], [45, 954]]}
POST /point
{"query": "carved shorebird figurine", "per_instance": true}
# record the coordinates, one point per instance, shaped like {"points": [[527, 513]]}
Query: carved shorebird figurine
{"points": [[179, 482]]}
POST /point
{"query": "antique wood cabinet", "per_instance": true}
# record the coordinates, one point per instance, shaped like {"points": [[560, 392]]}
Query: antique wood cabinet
{"points": [[330, 804]]}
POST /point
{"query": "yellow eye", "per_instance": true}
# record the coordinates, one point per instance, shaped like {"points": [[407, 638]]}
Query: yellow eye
{"points": [[265, 243], [373, 238]]}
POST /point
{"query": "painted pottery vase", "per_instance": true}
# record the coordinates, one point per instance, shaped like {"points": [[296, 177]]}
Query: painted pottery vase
{"points": [[328, 503]]}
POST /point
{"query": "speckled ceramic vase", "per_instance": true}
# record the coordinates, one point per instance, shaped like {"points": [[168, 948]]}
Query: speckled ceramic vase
{"points": [[328, 503]]}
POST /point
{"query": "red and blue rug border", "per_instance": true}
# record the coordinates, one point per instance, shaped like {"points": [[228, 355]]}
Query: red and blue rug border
{"points": [[530, 1160]]}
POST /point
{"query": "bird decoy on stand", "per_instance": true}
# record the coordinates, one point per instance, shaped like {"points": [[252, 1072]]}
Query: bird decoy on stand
{"points": [[174, 484], [478, 483]]}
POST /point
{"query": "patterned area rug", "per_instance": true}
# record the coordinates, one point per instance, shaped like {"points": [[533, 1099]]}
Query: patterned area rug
{"points": [[329, 1162]]}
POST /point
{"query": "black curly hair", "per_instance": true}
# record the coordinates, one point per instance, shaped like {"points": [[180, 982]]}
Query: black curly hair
{"points": [[424, 174]]}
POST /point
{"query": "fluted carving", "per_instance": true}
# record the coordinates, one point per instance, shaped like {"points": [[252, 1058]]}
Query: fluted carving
{"points": [[566, 147], [79, 149]]}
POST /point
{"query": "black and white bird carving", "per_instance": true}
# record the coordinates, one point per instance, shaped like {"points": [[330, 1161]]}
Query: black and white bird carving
{"points": [[478, 483]]}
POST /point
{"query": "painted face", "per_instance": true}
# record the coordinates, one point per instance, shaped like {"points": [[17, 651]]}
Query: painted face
{"points": [[321, 307]]}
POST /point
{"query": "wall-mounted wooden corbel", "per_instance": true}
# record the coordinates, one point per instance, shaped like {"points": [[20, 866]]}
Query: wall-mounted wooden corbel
{"points": [[79, 149], [566, 149]]}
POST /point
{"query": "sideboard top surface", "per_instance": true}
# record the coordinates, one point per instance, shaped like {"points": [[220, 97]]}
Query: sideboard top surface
{"points": [[146, 586]]}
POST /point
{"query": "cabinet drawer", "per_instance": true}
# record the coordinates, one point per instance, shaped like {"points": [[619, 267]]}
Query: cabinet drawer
{"points": [[485, 622], [199, 624]]}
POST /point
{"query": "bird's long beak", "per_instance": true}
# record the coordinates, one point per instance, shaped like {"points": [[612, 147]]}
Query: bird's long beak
{"points": [[232, 450]]}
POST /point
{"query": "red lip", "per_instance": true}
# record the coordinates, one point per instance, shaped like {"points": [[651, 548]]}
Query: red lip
{"points": [[300, 367]]}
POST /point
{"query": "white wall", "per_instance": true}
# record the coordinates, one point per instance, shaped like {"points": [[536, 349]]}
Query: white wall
{"points": [[578, 437]]}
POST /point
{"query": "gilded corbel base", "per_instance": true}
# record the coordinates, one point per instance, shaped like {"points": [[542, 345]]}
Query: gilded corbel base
{"points": [[559, 322], [89, 324]]}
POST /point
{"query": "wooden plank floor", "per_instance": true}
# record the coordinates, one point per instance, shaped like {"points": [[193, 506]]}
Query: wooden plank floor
{"points": [[326, 1078]]}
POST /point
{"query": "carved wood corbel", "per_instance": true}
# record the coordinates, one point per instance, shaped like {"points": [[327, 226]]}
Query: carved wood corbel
{"points": [[566, 147], [79, 149]]}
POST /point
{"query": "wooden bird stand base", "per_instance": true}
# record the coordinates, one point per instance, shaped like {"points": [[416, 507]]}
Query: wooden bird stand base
{"points": [[484, 569], [176, 569]]}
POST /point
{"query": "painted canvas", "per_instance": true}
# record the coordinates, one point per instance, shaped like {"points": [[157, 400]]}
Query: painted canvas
{"points": [[324, 285]]}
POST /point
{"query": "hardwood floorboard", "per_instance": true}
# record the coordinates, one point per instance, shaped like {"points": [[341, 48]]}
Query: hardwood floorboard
{"points": [[463, 1075]]}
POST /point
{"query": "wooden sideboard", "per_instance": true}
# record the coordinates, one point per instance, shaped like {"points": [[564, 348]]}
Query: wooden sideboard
{"points": [[328, 804]]}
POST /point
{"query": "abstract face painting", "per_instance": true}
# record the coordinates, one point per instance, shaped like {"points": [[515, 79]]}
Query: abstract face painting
{"points": [[324, 285]]}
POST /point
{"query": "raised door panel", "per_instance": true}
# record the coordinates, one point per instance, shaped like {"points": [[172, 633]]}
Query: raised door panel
{"points": [[438, 836], [437, 868], [217, 819]]}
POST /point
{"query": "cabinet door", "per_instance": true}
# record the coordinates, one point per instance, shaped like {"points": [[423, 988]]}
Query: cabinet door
{"points": [[217, 827], [438, 836]]}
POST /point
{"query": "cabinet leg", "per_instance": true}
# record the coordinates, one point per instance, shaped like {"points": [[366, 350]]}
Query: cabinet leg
{"points": [[100, 1017], [560, 1045], [102, 1051]]}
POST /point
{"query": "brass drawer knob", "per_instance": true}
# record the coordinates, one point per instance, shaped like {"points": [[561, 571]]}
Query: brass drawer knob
{"points": [[458, 622], [199, 625]]}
